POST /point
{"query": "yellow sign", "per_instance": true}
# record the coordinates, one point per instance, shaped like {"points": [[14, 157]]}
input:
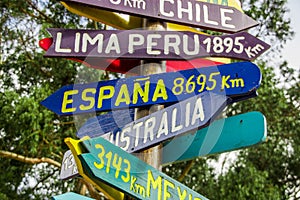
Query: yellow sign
{"points": [[108, 191]]}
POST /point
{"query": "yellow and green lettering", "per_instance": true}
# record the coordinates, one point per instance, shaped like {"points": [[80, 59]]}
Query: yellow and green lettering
{"points": [[155, 184], [138, 91], [181, 195], [123, 96], [160, 91], [167, 184], [91, 99], [67, 101], [103, 96]]}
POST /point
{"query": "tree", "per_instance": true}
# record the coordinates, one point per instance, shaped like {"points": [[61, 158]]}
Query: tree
{"points": [[30, 134]]}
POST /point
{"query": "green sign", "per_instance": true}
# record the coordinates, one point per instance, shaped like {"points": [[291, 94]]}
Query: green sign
{"points": [[103, 161]]}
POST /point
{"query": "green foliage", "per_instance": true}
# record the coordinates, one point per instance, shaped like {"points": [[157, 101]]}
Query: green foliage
{"points": [[267, 171]]}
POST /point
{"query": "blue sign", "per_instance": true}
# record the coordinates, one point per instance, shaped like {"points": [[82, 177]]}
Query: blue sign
{"points": [[235, 80], [109, 122], [190, 114]]}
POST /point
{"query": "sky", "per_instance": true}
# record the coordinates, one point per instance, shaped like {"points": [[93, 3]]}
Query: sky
{"points": [[291, 51]]}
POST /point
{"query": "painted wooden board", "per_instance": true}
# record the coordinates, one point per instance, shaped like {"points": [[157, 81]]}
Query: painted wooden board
{"points": [[182, 117], [109, 122], [148, 44], [223, 135], [109, 192], [70, 196], [193, 13], [235, 80], [105, 162], [117, 21], [130, 66], [68, 166]]}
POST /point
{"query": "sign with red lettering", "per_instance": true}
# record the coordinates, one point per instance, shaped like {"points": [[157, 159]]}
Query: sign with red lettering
{"points": [[146, 44], [235, 80], [192, 13], [104, 162]]}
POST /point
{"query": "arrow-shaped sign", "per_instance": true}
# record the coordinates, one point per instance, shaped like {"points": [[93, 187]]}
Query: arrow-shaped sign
{"points": [[119, 22], [71, 196], [109, 122], [222, 135], [108, 163], [129, 66], [68, 166], [182, 117], [234, 80], [191, 13], [147, 44]]}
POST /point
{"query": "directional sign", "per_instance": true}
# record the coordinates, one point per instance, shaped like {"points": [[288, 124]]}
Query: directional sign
{"points": [[128, 66], [108, 163], [119, 22], [222, 135], [108, 191], [147, 44], [68, 166], [71, 196], [184, 116], [105, 123], [228, 134], [191, 13], [234, 80]]}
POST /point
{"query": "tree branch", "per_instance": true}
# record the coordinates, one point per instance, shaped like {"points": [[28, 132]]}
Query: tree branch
{"points": [[10, 155], [186, 170]]}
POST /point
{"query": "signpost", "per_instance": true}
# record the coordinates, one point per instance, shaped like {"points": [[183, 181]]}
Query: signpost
{"points": [[147, 44], [108, 163], [128, 66], [235, 80], [71, 196], [192, 13], [227, 134], [182, 117]]}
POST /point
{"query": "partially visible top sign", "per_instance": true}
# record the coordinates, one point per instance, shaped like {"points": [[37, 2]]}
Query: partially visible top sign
{"points": [[108, 163], [71, 196], [191, 13], [234, 80], [117, 21], [147, 44]]}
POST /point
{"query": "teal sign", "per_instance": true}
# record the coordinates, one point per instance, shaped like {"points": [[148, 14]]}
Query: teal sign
{"points": [[222, 135], [103, 161], [70, 196]]}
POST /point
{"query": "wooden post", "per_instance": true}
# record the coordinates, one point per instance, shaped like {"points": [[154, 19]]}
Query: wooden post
{"points": [[153, 155]]}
